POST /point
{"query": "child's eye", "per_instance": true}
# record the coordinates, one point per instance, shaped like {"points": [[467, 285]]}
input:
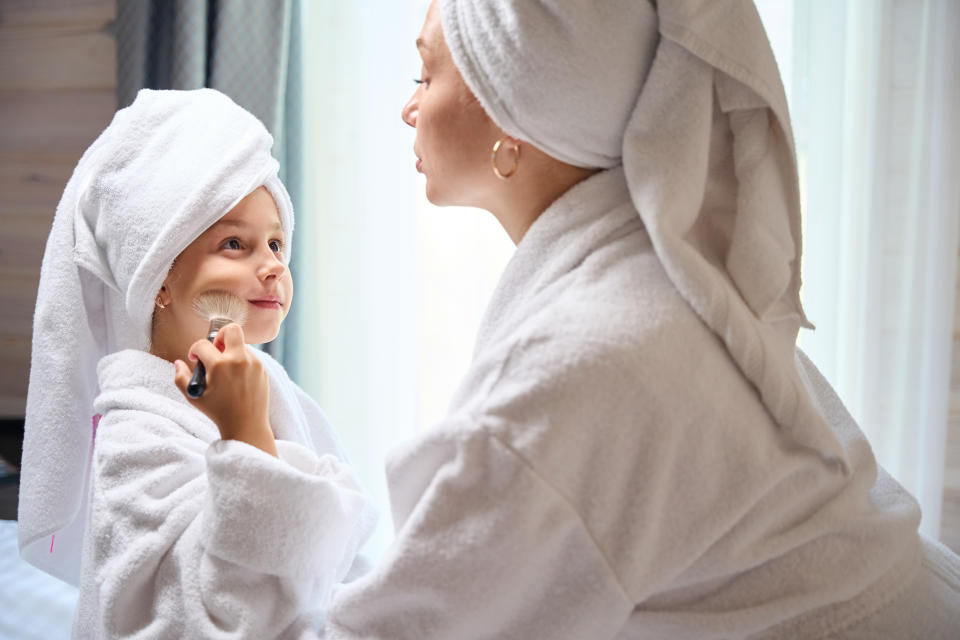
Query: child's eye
{"points": [[276, 246], [232, 243]]}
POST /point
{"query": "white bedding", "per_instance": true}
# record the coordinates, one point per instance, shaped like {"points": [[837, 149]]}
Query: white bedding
{"points": [[33, 605]]}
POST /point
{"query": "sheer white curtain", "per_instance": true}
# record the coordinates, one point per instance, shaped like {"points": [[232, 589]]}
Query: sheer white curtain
{"points": [[390, 289], [873, 88]]}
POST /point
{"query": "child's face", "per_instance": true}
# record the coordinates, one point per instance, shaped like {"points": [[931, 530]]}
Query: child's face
{"points": [[242, 254]]}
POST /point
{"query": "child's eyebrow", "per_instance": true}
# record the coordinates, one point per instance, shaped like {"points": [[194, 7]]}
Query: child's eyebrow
{"points": [[241, 224]]}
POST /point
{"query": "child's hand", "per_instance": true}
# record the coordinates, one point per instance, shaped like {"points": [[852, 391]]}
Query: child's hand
{"points": [[237, 397]]}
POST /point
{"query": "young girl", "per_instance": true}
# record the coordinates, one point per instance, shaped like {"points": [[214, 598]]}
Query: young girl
{"points": [[230, 515]]}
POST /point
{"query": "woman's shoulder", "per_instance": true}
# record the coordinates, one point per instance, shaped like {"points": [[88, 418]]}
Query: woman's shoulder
{"points": [[625, 356], [645, 327]]}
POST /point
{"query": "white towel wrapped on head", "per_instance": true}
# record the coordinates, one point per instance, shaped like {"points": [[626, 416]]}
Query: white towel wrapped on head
{"points": [[610, 82]]}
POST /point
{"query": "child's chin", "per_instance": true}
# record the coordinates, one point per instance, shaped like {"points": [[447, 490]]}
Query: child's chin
{"points": [[261, 336]]}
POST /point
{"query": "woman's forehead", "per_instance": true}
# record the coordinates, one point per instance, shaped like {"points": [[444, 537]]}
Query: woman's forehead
{"points": [[430, 40]]}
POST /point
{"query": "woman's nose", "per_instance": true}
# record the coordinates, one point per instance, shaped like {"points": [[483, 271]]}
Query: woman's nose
{"points": [[410, 111]]}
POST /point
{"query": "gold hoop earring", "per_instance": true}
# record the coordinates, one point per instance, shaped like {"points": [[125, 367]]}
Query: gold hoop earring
{"points": [[159, 302], [493, 159]]}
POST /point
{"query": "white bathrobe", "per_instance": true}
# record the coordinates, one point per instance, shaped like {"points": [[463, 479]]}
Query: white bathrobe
{"points": [[606, 471], [191, 536]]}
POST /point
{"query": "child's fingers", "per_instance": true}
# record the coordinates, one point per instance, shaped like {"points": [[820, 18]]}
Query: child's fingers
{"points": [[182, 375], [205, 352], [230, 338]]}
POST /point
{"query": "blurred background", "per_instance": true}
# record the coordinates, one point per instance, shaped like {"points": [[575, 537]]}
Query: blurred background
{"points": [[390, 289]]}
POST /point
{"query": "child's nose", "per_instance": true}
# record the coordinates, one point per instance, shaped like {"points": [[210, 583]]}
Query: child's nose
{"points": [[271, 267]]}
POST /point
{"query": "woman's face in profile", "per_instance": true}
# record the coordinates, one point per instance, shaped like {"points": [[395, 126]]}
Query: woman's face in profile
{"points": [[454, 134]]}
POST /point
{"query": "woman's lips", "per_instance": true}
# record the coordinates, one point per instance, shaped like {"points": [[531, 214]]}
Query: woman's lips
{"points": [[419, 162]]}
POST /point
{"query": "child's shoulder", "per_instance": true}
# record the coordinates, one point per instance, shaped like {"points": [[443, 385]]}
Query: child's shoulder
{"points": [[138, 389], [276, 371], [296, 415], [130, 368], [281, 383], [270, 363]]}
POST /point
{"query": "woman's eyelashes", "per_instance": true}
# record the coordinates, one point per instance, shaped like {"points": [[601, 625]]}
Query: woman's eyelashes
{"points": [[423, 79]]}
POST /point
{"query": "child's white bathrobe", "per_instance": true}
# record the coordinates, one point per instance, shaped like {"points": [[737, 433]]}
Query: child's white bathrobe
{"points": [[606, 471], [191, 536], [169, 531]]}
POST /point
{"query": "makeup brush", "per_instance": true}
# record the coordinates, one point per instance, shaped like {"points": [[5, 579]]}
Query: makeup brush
{"points": [[220, 308]]}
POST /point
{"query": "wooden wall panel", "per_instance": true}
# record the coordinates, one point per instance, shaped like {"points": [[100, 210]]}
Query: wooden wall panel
{"points": [[56, 13], [53, 122], [34, 58], [57, 93], [29, 181]]}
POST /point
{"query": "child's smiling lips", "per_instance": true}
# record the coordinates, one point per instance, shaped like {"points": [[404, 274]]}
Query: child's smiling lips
{"points": [[267, 302]]}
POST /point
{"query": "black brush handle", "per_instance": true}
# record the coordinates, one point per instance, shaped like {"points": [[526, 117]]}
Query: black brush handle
{"points": [[198, 383]]}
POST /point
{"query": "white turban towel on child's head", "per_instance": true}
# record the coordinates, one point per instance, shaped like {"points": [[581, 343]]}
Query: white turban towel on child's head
{"points": [[165, 169], [652, 86]]}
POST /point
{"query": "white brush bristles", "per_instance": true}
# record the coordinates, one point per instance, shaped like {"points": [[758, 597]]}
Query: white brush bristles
{"points": [[220, 305]]}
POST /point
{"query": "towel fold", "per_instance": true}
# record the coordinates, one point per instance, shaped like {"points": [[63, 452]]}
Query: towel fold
{"points": [[165, 169]]}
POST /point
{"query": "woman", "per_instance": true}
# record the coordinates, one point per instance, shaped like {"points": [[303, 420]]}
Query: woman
{"points": [[637, 450]]}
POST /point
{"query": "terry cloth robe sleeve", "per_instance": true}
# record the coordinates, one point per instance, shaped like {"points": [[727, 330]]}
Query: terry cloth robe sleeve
{"points": [[486, 548], [190, 536]]}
